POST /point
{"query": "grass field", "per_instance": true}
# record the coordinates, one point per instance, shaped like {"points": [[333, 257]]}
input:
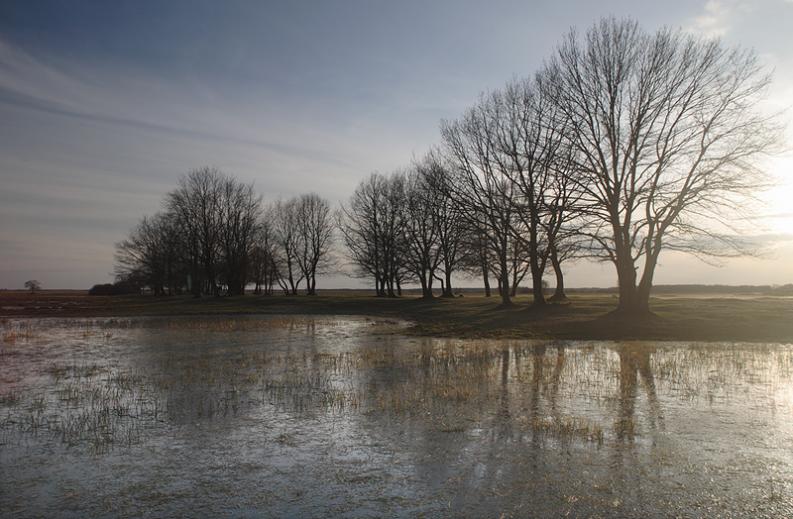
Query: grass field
{"points": [[678, 317]]}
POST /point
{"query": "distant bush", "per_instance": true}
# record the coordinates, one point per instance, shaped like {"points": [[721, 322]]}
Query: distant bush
{"points": [[113, 289], [101, 290]]}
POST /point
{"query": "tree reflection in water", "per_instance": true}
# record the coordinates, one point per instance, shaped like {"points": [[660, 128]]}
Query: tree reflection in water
{"points": [[338, 414]]}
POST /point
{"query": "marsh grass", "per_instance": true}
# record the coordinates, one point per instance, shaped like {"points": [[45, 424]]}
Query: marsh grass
{"points": [[16, 332], [10, 398], [568, 427], [453, 386], [679, 317]]}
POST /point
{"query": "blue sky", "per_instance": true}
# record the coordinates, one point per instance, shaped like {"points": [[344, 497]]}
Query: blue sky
{"points": [[104, 104]]}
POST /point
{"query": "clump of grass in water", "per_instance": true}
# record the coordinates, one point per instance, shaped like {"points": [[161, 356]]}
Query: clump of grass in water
{"points": [[286, 439], [38, 404], [568, 427], [104, 407], [10, 398], [19, 332]]}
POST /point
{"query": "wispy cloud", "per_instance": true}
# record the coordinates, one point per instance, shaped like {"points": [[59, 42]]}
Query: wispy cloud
{"points": [[118, 98], [90, 147]]}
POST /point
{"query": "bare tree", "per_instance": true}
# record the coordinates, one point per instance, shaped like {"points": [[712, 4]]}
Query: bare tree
{"points": [[315, 234], [422, 254], [392, 236], [264, 258], [667, 137], [536, 153], [448, 216], [196, 205], [152, 255], [481, 189], [359, 224], [240, 209], [33, 285], [287, 233], [372, 226]]}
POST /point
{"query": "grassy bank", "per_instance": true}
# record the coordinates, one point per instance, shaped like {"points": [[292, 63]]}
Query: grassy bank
{"points": [[679, 317]]}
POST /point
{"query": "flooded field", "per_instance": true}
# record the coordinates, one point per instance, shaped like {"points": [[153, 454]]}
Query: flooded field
{"points": [[313, 416]]}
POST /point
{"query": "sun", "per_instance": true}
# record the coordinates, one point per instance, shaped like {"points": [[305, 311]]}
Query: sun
{"points": [[777, 211]]}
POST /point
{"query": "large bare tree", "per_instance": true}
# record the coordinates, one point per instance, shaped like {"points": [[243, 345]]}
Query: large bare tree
{"points": [[482, 189], [532, 151], [668, 139]]}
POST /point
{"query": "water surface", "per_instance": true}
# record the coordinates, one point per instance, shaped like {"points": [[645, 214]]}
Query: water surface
{"points": [[324, 416]]}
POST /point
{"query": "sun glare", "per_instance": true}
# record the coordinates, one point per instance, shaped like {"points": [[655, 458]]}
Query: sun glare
{"points": [[777, 212]]}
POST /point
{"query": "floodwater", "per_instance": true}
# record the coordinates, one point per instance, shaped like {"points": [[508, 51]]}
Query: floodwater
{"points": [[325, 416]]}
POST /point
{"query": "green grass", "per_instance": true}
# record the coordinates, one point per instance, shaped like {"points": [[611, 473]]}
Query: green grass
{"points": [[683, 317]]}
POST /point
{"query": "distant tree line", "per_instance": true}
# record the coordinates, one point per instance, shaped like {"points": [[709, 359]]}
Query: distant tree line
{"points": [[215, 236], [624, 144]]}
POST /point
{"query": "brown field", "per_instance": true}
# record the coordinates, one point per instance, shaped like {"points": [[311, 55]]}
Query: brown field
{"points": [[678, 316]]}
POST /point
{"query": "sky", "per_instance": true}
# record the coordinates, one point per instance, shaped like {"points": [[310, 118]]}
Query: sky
{"points": [[103, 105]]}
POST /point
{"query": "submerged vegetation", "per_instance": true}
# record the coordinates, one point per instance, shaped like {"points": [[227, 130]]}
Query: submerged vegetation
{"points": [[99, 403], [355, 401]]}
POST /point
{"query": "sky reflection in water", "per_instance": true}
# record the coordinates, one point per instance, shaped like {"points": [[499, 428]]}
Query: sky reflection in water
{"points": [[347, 416]]}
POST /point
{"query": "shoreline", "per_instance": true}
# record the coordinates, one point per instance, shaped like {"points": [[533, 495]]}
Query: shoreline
{"points": [[679, 317]]}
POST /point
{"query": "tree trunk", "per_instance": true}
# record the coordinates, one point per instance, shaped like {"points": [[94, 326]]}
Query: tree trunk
{"points": [[626, 277], [504, 284], [536, 270], [646, 283], [292, 287], [486, 279], [426, 291], [448, 291], [558, 294], [536, 287]]}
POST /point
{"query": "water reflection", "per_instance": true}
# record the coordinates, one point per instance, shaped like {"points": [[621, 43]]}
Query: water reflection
{"points": [[344, 415], [635, 372]]}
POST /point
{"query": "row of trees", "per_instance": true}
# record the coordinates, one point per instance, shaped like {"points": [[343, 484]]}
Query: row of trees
{"points": [[402, 228], [624, 144], [432, 221], [215, 236]]}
